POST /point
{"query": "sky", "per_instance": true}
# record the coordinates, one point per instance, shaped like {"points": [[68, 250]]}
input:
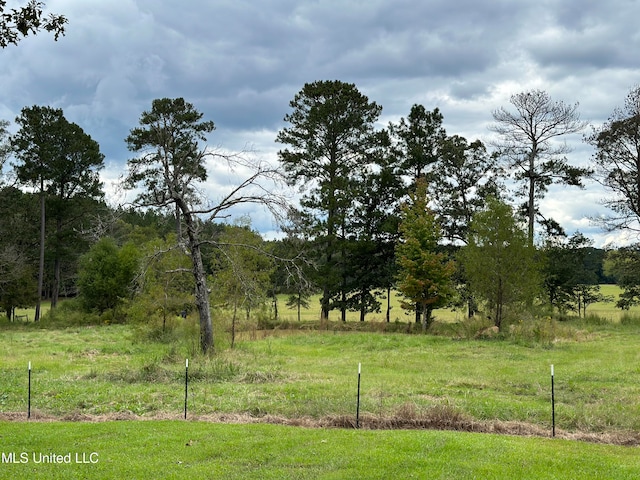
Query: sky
{"points": [[240, 62]]}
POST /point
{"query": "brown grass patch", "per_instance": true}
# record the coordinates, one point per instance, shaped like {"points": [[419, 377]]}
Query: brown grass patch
{"points": [[437, 418]]}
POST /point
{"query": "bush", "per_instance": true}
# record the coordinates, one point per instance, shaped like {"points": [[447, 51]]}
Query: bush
{"points": [[70, 312], [467, 328], [540, 331]]}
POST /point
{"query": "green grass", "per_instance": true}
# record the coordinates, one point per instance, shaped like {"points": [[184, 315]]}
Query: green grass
{"points": [[179, 449], [397, 312], [608, 310], [114, 372], [109, 370]]}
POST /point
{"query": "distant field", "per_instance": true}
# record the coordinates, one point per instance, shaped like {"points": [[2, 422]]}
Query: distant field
{"points": [[605, 310], [397, 312], [608, 310]]}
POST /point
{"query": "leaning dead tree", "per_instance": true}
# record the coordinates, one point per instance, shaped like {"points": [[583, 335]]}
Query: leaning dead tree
{"points": [[169, 172]]}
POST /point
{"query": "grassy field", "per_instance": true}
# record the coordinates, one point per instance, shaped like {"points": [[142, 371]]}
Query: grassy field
{"points": [[188, 450], [309, 379], [109, 369], [604, 309]]}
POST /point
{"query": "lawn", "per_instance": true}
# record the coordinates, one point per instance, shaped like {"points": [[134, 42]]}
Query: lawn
{"points": [[186, 450]]}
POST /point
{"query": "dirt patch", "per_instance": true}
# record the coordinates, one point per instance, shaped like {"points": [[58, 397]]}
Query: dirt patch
{"points": [[430, 421]]}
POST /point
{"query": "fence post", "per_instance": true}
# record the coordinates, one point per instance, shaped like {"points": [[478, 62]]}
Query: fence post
{"points": [[29, 394], [186, 386], [358, 401], [553, 406]]}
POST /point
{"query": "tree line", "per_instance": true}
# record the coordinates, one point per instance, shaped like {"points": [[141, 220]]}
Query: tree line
{"points": [[407, 207]]}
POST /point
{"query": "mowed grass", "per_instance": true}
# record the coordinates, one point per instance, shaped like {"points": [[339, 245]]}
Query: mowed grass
{"points": [[188, 450]]}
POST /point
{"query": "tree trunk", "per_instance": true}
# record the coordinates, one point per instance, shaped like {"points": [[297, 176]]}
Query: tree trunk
{"points": [[202, 291], [324, 312], [55, 292], [178, 224], [426, 320], [388, 304], [499, 301], [41, 266], [532, 196], [275, 306], [202, 300]]}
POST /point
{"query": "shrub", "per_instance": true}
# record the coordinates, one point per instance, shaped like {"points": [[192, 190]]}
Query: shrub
{"points": [[467, 328], [71, 313]]}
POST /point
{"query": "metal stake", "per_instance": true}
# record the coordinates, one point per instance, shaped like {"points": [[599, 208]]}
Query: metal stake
{"points": [[553, 406], [358, 402], [186, 386], [29, 394]]}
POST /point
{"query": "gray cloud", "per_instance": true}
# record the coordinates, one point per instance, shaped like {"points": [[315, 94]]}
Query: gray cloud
{"points": [[241, 62]]}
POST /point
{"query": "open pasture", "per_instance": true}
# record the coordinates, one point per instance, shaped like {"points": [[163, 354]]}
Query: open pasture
{"points": [[84, 374], [605, 310], [111, 369]]}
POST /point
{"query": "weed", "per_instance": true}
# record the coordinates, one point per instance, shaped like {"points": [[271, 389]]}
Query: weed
{"points": [[629, 319], [466, 328]]}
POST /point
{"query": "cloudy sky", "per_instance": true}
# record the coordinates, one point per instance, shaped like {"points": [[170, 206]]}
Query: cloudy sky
{"points": [[240, 62]]}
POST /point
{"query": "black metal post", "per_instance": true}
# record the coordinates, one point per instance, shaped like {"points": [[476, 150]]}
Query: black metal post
{"points": [[29, 394], [358, 402], [553, 406], [186, 386]]}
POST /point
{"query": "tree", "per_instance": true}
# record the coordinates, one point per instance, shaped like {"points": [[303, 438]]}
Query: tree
{"points": [[373, 233], [170, 167], [499, 263], [624, 265], [292, 277], [570, 276], [298, 301], [242, 272], [106, 275], [5, 146], [20, 22], [165, 286], [62, 162], [417, 142], [35, 146], [16, 281], [467, 176], [74, 185], [617, 164], [330, 140], [424, 275], [529, 149]]}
